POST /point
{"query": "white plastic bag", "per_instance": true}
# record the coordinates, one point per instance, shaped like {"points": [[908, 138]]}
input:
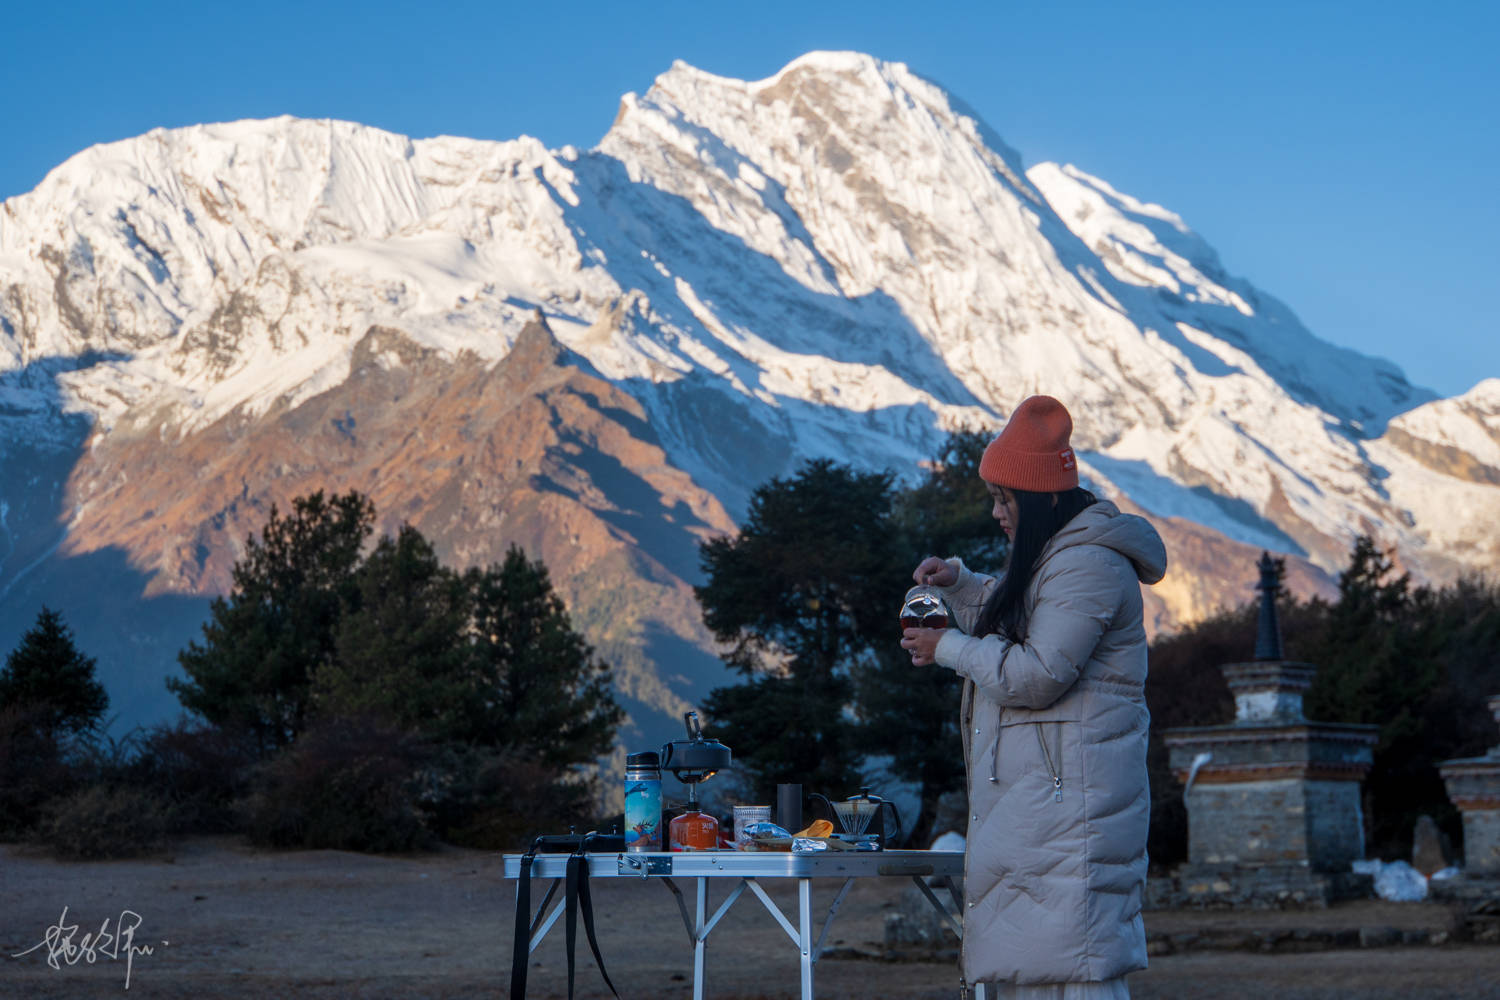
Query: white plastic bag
{"points": [[949, 841], [1401, 883]]}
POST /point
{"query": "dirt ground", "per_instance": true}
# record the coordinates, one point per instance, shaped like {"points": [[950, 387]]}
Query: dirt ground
{"points": [[224, 920]]}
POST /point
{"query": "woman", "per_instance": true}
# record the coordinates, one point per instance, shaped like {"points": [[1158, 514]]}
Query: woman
{"points": [[1053, 656]]}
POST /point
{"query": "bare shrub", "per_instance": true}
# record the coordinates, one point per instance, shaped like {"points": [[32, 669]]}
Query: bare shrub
{"points": [[499, 801], [348, 783], [104, 821], [200, 770]]}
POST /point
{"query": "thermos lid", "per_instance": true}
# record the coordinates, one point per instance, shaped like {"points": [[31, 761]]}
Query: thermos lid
{"points": [[646, 758]]}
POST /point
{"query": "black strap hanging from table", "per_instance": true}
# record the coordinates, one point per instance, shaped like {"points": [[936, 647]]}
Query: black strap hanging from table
{"points": [[520, 957], [576, 899], [586, 904]]}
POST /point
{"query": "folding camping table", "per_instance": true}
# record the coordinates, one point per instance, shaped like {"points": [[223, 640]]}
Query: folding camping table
{"points": [[746, 869]]}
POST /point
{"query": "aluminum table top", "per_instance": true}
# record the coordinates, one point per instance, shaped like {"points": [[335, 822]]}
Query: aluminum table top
{"points": [[748, 864]]}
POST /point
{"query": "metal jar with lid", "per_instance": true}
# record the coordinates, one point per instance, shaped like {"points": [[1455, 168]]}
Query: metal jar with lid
{"points": [[643, 801]]}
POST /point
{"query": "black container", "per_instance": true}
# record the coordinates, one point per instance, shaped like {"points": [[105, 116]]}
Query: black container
{"points": [[789, 807]]}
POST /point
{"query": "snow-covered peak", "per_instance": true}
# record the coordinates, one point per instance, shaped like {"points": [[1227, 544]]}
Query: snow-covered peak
{"points": [[1141, 243], [1469, 423], [844, 101], [280, 178], [682, 77], [139, 242], [1149, 247], [839, 259], [830, 61], [1484, 395], [279, 183]]}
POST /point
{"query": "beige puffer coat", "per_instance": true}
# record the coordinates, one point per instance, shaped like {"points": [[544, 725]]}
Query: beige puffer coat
{"points": [[1055, 739]]}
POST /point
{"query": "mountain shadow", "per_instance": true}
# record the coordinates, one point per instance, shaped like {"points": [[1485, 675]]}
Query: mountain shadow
{"points": [[100, 595], [135, 638]]}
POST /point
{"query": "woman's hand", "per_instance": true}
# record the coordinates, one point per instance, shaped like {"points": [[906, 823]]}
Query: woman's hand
{"points": [[922, 642], [935, 571]]}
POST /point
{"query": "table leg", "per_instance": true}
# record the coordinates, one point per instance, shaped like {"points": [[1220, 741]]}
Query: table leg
{"points": [[687, 921], [804, 920], [957, 897], [700, 939], [828, 923], [937, 904], [540, 927], [551, 891]]}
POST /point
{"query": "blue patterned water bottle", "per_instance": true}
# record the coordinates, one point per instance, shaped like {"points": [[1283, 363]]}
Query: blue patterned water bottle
{"points": [[643, 801]]}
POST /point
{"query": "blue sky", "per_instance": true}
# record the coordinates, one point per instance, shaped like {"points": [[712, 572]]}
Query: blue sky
{"points": [[1341, 156]]}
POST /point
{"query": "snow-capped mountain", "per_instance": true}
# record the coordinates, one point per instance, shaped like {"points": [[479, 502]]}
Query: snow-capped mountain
{"points": [[839, 260]]}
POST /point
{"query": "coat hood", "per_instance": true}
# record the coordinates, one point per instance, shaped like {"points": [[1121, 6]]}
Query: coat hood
{"points": [[1102, 523]]}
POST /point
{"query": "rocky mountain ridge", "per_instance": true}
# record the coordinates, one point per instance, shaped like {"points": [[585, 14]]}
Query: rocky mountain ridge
{"points": [[600, 354]]}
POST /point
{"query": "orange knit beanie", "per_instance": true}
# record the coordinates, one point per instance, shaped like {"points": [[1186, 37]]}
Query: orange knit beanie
{"points": [[1032, 452]]}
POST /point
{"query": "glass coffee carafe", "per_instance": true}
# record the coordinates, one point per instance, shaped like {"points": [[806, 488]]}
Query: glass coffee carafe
{"points": [[924, 608]]}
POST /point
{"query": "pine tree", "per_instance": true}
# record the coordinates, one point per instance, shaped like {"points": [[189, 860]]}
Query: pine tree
{"points": [[401, 650], [1380, 662], [488, 658], [47, 675], [800, 595], [553, 701], [262, 644]]}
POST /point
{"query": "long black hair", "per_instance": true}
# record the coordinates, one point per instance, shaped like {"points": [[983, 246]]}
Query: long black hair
{"points": [[1037, 520]]}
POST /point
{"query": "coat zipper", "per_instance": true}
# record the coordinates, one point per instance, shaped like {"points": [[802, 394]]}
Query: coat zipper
{"points": [[995, 757], [967, 721], [1051, 769]]}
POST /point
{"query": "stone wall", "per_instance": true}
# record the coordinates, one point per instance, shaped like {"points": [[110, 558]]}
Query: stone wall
{"points": [[1253, 887], [1279, 821], [1335, 824], [1247, 821], [1482, 842]]}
